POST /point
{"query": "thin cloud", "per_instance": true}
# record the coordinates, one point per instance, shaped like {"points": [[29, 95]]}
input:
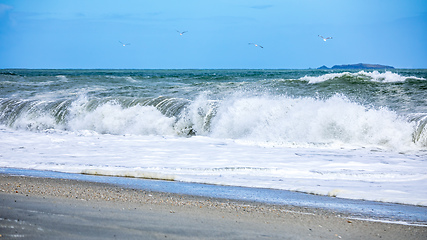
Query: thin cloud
{"points": [[4, 8]]}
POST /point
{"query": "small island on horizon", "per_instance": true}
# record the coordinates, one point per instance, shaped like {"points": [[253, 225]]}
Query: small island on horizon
{"points": [[358, 66]]}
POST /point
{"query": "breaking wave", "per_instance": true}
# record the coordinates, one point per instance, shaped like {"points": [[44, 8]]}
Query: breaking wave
{"points": [[275, 120]]}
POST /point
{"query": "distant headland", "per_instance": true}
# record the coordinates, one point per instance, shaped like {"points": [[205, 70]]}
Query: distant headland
{"points": [[358, 66]]}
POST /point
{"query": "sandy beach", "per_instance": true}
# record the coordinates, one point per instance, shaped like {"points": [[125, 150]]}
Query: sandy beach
{"points": [[45, 208]]}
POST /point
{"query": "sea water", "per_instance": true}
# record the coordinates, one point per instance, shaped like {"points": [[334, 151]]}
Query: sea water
{"points": [[349, 134]]}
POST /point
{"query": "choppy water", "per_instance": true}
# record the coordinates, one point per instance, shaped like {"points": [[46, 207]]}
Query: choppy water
{"points": [[320, 131]]}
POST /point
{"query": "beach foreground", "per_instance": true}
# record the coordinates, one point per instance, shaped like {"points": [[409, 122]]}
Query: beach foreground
{"points": [[44, 208]]}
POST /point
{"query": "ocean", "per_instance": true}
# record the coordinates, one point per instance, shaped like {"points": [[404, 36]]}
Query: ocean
{"points": [[359, 134]]}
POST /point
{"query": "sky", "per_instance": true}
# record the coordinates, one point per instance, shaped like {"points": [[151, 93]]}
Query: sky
{"points": [[86, 34]]}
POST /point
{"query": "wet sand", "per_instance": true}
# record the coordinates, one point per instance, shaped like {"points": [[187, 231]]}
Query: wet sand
{"points": [[47, 208]]}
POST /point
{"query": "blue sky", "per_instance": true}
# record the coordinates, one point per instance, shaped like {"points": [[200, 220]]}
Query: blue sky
{"points": [[86, 33]]}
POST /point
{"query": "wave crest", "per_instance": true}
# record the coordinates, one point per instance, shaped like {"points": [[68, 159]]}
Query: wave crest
{"points": [[310, 121], [111, 118], [265, 120], [375, 76]]}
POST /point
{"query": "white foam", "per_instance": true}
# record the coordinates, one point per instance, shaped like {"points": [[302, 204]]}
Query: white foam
{"points": [[324, 77], [374, 76], [126, 78], [284, 120], [257, 120], [111, 118], [133, 173], [345, 173], [330, 146], [62, 78], [386, 77], [130, 79]]}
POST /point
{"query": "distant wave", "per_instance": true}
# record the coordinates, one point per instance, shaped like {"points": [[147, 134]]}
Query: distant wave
{"points": [[375, 76]]}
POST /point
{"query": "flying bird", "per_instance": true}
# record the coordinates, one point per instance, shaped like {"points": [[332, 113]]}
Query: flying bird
{"points": [[180, 33], [256, 45], [124, 44], [324, 39]]}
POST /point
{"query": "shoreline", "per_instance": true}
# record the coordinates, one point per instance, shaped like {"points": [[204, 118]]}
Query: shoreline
{"points": [[360, 209], [56, 207]]}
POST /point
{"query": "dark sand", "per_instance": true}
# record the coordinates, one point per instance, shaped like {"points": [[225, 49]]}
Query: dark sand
{"points": [[45, 208]]}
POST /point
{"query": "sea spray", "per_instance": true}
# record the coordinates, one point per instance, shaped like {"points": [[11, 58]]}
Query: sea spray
{"points": [[375, 76], [112, 118], [312, 131], [277, 120], [198, 116], [307, 120], [420, 133]]}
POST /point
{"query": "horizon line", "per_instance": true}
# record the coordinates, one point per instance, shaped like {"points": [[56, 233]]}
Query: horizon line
{"points": [[395, 68]]}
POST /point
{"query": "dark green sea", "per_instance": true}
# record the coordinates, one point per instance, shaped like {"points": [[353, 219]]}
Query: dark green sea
{"points": [[197, 100], [359, 134]]}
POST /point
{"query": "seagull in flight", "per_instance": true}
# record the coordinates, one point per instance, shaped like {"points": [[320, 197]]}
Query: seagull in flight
{"points": [[180, 33], [124, 44], [324, 39], [256, 45]]}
